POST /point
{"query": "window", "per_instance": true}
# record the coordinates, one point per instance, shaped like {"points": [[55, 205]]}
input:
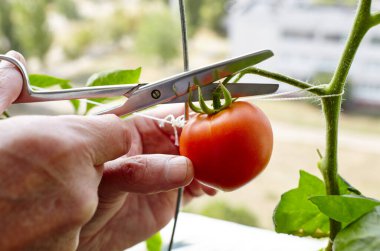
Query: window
{"points": [[296, 34], [334, 37]]}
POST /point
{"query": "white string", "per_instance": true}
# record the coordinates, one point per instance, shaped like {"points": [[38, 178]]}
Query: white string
{"points": [[272, 97], [176, 123]]}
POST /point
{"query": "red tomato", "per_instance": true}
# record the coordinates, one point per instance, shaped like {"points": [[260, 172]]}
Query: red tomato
{"points": [[230, 148]]}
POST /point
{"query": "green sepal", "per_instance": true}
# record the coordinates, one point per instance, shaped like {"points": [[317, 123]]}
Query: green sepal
{"points": [[227, 97], [203, 104], [191, 104]]}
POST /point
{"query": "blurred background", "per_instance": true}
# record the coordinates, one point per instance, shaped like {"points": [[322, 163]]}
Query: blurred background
{"points": [[73, 39]]}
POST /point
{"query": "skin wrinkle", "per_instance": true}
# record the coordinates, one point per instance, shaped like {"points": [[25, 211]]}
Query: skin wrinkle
{"points": [[135, 171]]}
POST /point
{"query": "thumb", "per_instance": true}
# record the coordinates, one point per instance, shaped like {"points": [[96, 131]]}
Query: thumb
{"points": [[146, 174], [10, 81]]}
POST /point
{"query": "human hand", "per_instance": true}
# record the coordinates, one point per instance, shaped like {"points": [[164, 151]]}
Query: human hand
{"points": [[10, 81], [50, 169], [136, 196], [121, 191]]}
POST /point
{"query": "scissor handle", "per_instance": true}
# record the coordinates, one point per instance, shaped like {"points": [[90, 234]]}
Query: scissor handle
{"points": [[28, 95]]}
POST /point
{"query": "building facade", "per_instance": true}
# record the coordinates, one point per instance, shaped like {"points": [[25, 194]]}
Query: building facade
{"points": [[307, 38]]}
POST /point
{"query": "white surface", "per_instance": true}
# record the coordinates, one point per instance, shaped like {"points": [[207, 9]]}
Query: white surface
{"points": [[200, 233]]}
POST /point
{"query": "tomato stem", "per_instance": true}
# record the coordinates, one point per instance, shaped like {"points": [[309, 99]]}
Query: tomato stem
{"points": [[216, 103]]}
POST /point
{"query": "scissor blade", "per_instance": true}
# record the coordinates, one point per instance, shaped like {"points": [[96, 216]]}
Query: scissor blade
{"points": [[236, 89], [166, 90]]}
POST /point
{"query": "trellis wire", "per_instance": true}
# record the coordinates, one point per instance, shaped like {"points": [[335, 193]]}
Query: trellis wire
{"points": [[186, 68]]}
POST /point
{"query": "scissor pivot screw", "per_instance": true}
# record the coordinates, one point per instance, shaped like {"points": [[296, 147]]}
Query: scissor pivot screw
{"points": [[156, 94]]}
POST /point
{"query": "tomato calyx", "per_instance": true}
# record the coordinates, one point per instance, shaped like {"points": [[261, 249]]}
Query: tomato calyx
{"points": [[220, 91]]}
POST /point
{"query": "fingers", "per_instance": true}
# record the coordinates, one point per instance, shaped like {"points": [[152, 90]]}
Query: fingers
{"points": [[196, 189], [10, 81], [146, 174], [106, 136]]}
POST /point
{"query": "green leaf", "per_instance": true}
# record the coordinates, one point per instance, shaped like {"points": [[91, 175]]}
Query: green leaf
{"points": [[116, 77], [297, 215], [362, 234], [351, 207], [346, 188], [154, 243], [45, 81]]}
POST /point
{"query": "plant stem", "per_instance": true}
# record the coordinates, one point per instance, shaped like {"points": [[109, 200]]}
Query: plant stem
{"points": [[281, 78], [216, 100], [362, 24], [329, 164], [332, 106]]}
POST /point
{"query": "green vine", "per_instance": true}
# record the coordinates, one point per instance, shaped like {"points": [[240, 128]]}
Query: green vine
{"points": [[332, 100]]}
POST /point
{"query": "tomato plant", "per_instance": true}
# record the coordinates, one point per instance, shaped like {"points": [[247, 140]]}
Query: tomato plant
{"points": [[228, 148]]}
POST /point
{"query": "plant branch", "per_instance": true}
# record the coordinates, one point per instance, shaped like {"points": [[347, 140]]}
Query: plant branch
{"points": [[375, 19], [362, 24], [281, 78]]}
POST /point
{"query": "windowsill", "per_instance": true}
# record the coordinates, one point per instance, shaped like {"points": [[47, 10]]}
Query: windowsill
{"points": [[198, 233]]}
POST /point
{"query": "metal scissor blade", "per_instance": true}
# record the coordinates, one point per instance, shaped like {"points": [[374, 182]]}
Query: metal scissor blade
{"points": [[166, 90], [236, 89]]}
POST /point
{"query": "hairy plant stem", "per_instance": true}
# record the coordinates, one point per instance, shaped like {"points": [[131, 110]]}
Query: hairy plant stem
{"points": [[329, 163], [282, 78], [332, 106]]}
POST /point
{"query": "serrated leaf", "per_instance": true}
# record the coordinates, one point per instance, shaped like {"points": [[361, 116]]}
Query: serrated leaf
{"points": [[116, 77], [362, 234], [154, 243], [297, 215], [344, 208], [45, 81]]}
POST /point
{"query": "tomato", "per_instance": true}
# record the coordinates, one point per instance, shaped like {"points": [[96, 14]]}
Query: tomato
{"points": [[229, 148]]}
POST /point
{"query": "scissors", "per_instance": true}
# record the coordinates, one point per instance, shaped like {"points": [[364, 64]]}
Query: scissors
{"points": [[170, 90]]}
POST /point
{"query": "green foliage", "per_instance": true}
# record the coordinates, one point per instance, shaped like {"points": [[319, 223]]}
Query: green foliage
{"points": [[30, 32], [6, 26], [79, 41], [224, 211], [207, 13], [362, 235], [351, 207], [45, 81], [115, 77], [154, 243], [159, 36], [117, 25], [68, 8], [24, 27], [296, 215]]}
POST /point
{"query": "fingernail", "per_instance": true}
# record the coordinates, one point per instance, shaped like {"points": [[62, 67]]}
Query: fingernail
{"points": [[177, 170]]}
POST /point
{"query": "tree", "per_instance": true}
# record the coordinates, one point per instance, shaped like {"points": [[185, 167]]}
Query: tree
{"points": [[24, 27]]}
